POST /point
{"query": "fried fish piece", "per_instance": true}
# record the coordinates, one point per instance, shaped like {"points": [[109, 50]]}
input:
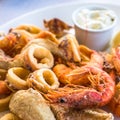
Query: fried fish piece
{"points": [[30, 105], [56, 26], [64, 113]]}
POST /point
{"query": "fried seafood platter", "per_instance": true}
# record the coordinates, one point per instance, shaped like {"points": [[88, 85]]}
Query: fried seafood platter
{"points": [[47, 75]]}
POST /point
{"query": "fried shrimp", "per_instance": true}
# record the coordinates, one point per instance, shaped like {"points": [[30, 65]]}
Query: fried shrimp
{"points": [[115, 102], [14, 41], [74, 96], [116, 59], [91, 57], [61, 71], [17, 38], [99, 90]]}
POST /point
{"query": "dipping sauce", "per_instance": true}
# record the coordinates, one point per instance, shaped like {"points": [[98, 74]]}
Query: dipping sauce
{"points": [[95, 19], [94, 26]]}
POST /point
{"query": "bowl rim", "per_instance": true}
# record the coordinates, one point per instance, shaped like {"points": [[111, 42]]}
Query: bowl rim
{"points": [[93, 7]]}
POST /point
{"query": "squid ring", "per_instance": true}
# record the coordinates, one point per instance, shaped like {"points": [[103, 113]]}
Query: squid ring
{"points": [[43, 80], [37, 57], [16, 77], [29, 28], [4, 103]]}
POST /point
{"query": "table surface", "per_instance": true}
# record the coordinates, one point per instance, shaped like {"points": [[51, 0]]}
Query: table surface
{"points": [[10, 9]]}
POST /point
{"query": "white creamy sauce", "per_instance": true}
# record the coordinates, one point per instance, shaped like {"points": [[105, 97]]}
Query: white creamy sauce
{"points": [[95, 19]]}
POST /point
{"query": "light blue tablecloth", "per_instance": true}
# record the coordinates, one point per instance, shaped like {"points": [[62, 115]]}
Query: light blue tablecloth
{"points": [[10, 9]]}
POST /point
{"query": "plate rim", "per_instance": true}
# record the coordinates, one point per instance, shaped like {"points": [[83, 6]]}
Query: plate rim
{"points": [[53, 7]]}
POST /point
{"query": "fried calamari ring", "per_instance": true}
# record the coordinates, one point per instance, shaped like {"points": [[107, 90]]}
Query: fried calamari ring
{"points": [[10, 116], [29, 28], [67, 47], [70, 48], [33, 57], [36, 57], [4, 103], [43, 80], [47, 35], [50, 45], [16, 77]]}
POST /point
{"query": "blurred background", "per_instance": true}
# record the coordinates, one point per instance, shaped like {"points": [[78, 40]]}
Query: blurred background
{"points": [[10, 9]]}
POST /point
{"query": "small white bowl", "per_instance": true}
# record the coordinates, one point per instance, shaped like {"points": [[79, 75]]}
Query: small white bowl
{"points": [[97, 39]]}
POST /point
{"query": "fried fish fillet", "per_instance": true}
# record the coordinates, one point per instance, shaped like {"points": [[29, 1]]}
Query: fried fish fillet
{"points": [[64, 113], [30, 105]]}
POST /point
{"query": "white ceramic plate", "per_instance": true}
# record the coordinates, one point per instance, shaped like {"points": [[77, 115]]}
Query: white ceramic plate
{"points": [[63, 12]]}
